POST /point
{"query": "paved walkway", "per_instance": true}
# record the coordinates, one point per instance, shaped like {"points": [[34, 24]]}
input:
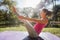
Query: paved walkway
{"points": [[17, 35]]}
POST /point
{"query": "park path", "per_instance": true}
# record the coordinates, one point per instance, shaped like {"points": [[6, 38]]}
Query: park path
{"points": [[18, 35]]}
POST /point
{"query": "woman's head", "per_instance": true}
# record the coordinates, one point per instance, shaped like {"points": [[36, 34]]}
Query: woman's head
{"points": [[45, 13]]}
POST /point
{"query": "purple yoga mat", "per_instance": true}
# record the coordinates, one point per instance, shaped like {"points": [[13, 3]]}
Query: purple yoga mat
{"points": [[12, 35], [18, 35]]}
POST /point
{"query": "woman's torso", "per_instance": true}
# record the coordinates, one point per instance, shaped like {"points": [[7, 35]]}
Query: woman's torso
{"points": [[38, 27]]}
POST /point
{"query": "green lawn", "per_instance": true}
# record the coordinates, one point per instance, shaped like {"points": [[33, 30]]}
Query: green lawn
{"points": [[55, 31]]}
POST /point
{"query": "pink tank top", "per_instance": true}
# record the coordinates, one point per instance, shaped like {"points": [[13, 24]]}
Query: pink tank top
{"points": [[38, 27]]}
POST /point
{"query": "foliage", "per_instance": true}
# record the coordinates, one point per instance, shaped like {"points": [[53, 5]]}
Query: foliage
{"points": [[56, 17], [6, 14]]}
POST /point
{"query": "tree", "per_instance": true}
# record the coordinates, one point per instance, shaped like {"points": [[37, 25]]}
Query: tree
{"points": [[44, 3], [7, 17], [56, 9], [56, 17]]}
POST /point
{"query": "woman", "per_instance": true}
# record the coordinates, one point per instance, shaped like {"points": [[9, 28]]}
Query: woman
{"points": [[40, 23]]}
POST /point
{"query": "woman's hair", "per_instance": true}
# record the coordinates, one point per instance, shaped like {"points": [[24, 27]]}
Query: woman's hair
{"points": [[48, 13]]}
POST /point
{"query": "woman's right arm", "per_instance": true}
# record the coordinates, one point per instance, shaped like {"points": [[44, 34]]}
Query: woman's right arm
{"points": [[44, 21]]}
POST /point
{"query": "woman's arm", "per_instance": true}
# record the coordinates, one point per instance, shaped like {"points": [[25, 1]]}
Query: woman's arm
{"points": [[34, 20]]}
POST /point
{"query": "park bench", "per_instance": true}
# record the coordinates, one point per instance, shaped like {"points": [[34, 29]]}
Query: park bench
{"points": [[17, 35], [54, 23]]}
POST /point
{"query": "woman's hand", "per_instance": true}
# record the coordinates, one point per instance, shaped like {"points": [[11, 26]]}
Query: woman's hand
{"points": [[21, 17]]}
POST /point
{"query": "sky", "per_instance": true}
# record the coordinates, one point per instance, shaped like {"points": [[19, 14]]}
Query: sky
{"points": [[31, 3], [27, 3]]}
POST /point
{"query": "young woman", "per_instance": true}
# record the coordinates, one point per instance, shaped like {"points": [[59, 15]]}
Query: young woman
{"points": [[40, 23]]}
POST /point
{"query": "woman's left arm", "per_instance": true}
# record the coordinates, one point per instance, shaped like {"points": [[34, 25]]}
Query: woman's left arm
{"points": [[34, 20]]}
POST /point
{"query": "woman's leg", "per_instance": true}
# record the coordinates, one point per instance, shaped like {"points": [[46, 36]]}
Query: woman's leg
{"points": [[30, 29]]}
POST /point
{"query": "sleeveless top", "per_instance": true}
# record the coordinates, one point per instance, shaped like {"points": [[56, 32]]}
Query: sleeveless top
{"points": [[38, 27]]}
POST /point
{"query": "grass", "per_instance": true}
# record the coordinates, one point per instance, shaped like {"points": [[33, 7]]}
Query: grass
{"points": [[55, 31], [20, 28]]}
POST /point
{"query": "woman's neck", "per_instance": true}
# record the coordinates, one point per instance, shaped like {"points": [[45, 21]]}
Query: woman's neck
{"points": [[44, 17]]}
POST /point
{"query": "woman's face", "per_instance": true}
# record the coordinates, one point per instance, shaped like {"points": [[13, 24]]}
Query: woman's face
{"points": [[43, 14]]}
